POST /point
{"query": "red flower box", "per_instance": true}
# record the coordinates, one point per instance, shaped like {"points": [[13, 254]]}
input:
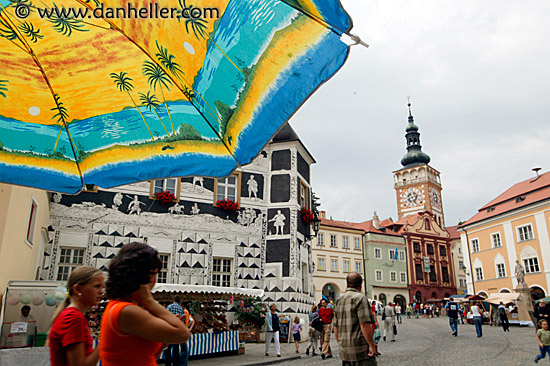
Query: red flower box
{"points": [[165, 197], [307, 215], [227, 205]]}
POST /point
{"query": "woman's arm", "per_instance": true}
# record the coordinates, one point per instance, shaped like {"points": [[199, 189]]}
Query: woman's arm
{"points": [[75, 355], [153, 322]]}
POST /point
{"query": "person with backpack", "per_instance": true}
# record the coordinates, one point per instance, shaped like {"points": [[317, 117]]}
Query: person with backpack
{"points": [[503, 317], [452, 313], [314, 330], [326, 314]]}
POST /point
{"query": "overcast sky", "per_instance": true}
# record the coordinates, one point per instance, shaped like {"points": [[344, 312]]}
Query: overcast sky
{"points": [[478, 74]]}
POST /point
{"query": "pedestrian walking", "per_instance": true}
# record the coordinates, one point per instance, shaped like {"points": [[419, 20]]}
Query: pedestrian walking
{"points": [[327, 314], [478, 318], [461, 313], [542, 312], [376, 330], [314, 334], [503, 317], [398, 313], [452, 313], [389, 320], [543, 337], [296, 329], [409, 311], [69, 337], [416, 309], [272, 330], [356, 343], [172, 352]]}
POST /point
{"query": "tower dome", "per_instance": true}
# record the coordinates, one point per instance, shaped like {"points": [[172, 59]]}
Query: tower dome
{"points": [[414, 155]]}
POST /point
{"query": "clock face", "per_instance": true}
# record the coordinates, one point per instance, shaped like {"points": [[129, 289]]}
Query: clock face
{"points": [[435, 198], [411, 197]]}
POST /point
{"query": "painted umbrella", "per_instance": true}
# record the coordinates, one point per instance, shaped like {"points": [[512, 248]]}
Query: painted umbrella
{"points": [[119, 91]]}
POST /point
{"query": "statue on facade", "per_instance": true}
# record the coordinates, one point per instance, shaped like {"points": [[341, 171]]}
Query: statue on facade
{"points": [[117, 201], [520, 273], [134, 206], [198, 181], [279, 224], [57, 197], [176, 209], [252, 187], [195, 209]]}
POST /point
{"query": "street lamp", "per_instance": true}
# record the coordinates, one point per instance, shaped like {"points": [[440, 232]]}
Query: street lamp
{"points": [[315, 223]]}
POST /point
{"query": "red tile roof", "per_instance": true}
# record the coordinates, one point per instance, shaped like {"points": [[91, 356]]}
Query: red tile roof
{"points": [[340, 224], [453, 232], [368, 227], [519, 195]]}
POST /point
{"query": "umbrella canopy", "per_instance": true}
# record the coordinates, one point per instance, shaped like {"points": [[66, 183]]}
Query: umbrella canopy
{"points": [[505, 298], [119, 91], [545, 299]]}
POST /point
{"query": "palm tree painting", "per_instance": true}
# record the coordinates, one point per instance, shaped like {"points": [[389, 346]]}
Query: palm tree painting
{"points": [[198, 25], [156, 76], [3, 87], [123, 83], [151, 102]]}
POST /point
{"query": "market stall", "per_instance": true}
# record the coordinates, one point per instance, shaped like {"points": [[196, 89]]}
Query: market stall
{"points": [[216, 311]]}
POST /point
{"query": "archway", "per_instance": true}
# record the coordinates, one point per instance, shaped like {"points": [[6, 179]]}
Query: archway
{"points": [[537, 293], [382, 299], [483, 294], [447, 295], [400, 299], [418, 297], [331, 291], [504, 291], [434, 295]]}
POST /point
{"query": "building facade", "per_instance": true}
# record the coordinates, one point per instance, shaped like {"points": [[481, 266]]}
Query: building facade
{"points": [[24, 219], [386, 274], [264, 244], [513, 228], [457, 256], [337, 251]]}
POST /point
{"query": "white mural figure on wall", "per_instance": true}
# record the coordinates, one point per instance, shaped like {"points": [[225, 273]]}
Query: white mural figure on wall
{"points": [[176, 209], [247, 216], [57, 197], [279, 224], [117, 201], [252, 187], [134, 206], [195, 209], [199, 181]]}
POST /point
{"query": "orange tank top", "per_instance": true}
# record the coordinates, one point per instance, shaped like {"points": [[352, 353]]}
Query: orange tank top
{"points": [[117, 348]]}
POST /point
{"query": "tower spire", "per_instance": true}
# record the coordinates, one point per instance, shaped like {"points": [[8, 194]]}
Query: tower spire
{"points": [[414, 155]]}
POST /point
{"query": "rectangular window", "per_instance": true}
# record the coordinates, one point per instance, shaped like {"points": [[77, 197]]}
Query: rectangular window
{"points": [[495, 239], [378, 275], [228, 188], [430, 249], [501, 270], [418, 271], [475, 245], [321, 239], [416, 246], [303, 195], [347, 266], [357, 242], [531, 265], [392, 254], [345, 242], [433, 276], [333, 242], [358, 267], [461, 264], [163, 272], [525, 233], [479, 273], [321, 264], [403, 277], [334, 265], [442, 251], [459, 250], [393, 276], [69, 259], [171, 185], [462, 282], [377, 253], [32, 222], [445, 274], [221, 272], [402, 255]]}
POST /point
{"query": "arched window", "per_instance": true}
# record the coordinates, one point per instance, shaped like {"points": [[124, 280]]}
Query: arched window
{"points": [[418, 296], [382, 299], [427, 224]]}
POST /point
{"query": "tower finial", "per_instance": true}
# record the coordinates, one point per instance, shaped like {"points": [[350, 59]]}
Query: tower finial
{"points": [[409, 104]]}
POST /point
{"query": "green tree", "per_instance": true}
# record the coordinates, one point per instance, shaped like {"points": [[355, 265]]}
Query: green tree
{"points": [[151, 102], [168, 60], [198, 25], [63, 24], [156, 76], [123, 83], [28, 30]]}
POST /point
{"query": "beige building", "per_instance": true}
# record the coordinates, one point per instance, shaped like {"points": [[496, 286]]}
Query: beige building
{"points": [[457, 256], [337, 250], [514, 227], [24, 218]]}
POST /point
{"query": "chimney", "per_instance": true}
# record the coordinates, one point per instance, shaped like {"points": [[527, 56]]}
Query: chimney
{"points": [[375, 221], [322, 214], [536, 170]]}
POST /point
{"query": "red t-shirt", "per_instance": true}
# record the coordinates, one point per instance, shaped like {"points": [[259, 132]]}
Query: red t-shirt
{"points": [[69, 327], [326, 315]]}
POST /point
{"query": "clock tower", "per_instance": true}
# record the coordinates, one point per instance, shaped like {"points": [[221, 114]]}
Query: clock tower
{"points": [[417, 185]]}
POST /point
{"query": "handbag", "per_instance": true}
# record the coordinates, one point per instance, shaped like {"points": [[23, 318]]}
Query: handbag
{"points": [[317, 323], [377, 335], [394, 329], [384, 314]]}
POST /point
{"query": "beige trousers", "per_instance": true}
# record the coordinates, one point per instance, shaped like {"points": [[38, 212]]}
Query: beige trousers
{"points": [[325, 340]]}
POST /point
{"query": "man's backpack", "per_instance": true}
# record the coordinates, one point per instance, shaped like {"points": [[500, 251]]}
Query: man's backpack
{"points": [[317, 323]]}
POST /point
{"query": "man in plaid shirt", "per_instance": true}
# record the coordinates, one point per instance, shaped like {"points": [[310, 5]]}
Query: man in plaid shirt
{"points": [[172, 353], [353, 325]]}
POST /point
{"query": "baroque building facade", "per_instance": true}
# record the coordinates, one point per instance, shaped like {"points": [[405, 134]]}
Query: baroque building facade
{"points": [[262, 245]]}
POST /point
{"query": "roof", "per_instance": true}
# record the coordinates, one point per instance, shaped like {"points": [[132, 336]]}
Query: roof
{"points": [[287, 134], [453, 232], [410, 220], [519, 195], [340, 224], [368, 227]]}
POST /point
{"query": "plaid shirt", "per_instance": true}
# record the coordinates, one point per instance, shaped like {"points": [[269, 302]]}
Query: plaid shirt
{"points": [[175, 308], [352, 309]]}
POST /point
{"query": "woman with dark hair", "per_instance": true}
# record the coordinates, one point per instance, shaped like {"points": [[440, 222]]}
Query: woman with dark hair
{"points": [[134, 325], [69, 338]]}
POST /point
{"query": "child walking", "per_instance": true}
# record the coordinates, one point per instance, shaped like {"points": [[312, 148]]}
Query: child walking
{"points": [[543, 336], [296, 328]]}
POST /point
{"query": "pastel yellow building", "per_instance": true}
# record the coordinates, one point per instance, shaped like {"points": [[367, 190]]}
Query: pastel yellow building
{"points": [[24, 218], [337, 251], [515, 226]]}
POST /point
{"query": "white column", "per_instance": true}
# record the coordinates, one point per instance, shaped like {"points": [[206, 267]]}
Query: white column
{"points": [[544, 241], [466, 255], [511, 250]]}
